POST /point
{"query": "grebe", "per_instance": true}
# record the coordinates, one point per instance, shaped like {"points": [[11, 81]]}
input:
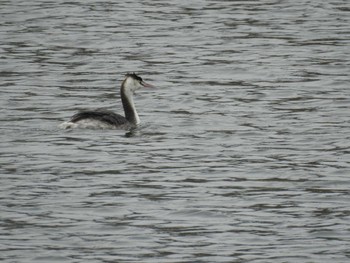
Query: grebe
{"points": [[104, 119]]}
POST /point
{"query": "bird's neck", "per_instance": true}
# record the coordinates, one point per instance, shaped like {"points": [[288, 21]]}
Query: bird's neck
{"points": [[129, 106]]}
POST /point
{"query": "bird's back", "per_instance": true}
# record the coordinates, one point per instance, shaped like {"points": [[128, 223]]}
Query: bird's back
{"points": [[97, 119], [104, 116]]}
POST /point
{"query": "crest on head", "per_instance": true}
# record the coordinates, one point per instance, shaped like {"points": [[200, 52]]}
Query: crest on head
{"points": [[132, 82], [134, 76]]}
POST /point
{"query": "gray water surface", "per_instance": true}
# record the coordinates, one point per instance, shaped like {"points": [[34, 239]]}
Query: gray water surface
{"points": [[243, 154]]}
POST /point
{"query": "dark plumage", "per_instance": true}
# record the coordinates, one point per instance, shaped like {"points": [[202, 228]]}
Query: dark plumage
{"points": [[105, 116]]}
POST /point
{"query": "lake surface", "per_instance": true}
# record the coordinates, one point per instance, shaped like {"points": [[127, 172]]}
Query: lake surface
{"points": [[243, 154]]}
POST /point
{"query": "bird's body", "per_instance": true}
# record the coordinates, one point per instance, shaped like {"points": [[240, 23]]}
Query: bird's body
{"points": [[104, 119]]}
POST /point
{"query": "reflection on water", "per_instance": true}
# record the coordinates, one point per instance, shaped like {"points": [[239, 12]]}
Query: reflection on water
{"points": [[243, 153]]}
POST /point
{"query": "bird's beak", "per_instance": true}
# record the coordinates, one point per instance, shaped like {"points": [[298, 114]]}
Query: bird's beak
{"points": [[146, 85]]}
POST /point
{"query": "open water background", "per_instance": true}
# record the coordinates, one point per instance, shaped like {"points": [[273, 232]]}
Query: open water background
{"points": [[244, 150]]}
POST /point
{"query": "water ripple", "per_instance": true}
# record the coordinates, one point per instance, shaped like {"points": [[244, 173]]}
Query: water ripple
{"points": [[243, 152]]}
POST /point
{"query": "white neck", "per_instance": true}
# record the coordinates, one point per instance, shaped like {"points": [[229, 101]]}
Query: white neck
{"points": [[129, 95], [128, 104]]}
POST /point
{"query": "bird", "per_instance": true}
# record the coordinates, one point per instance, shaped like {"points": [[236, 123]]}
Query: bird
{"points": [[105, 119]]}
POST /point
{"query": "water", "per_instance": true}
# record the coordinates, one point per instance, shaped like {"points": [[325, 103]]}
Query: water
{"points": [[244, 150]]}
